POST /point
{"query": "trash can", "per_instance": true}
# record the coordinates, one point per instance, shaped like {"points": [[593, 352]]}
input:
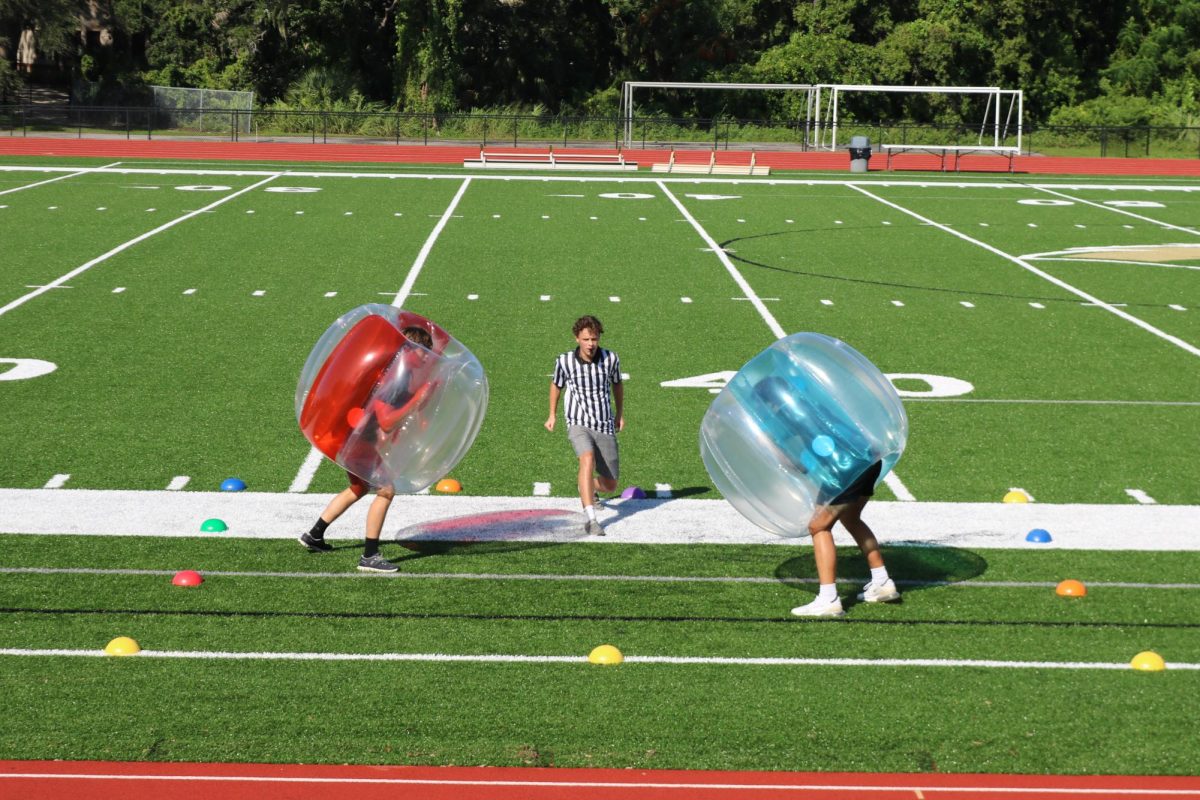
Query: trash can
{"points": [[860, 153]]}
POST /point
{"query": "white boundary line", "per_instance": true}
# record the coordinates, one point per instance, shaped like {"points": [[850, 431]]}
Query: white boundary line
{"points": [[757, 788], [312, 461], [488, 658], [556, 578], [959, 184], [122, 247], [1175, 340]]}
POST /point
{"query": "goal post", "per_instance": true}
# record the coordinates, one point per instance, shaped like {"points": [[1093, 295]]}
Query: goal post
{"points": [[996, 123], [999, 121], [629, 87]]}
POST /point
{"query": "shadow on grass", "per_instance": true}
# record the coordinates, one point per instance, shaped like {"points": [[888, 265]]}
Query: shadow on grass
{"points": [[623, 508], [913, 567], [491, 532]]}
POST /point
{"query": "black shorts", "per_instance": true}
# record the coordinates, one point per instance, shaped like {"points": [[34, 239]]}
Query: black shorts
{"points": [[863, 486]]}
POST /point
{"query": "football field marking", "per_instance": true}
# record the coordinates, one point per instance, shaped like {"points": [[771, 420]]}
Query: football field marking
{"points": [[1119, 210], [278, 515], [312, 462], [59, 178], [487, 658], [733, 271], [1141, 497], [126, 245], [333, 783], [893, 482], [969, 583], [1024, 264]]}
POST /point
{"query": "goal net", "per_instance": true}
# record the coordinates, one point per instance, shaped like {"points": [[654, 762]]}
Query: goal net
{"points": [[203, 110]]}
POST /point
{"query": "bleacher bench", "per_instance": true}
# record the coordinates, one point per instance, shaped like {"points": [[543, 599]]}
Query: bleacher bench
{"points": [[551, 160], [712, 167]]}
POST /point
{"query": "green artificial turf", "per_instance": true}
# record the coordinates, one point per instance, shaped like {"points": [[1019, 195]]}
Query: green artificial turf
{"points": [[645, 715], [1071, 402]]}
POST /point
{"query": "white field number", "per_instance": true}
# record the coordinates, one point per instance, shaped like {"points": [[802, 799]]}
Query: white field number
{"points": [[22, 369]]}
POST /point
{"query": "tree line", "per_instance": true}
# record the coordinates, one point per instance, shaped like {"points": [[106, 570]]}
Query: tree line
{"points": [[1084, 62]]}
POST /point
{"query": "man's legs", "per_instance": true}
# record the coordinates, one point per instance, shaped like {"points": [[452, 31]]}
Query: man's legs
{"points": [[881, 588], [314, 540], [371, 561], [598, 465], [827, 602], [587, 479]]}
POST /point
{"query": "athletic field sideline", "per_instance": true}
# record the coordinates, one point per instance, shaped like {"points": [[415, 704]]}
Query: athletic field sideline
{"points": [[1042, 334]]}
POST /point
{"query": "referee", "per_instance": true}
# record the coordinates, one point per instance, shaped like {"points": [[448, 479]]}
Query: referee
{"points": [[590, 374]]}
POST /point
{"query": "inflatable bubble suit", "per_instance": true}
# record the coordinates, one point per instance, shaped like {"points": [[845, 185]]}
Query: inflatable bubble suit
{"points": [[390, 411], [796, 427]]}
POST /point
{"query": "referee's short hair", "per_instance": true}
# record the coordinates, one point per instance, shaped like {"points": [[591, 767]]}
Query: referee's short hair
{"points": [[587, 322]]}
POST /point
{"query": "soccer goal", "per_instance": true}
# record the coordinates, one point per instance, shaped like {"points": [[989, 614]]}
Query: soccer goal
{"points": [[992, 116], [997, 113], [204, 110], [629, 88]]}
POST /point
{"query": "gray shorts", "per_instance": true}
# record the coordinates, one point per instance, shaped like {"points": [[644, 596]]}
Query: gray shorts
{"points": [[604, 445]]}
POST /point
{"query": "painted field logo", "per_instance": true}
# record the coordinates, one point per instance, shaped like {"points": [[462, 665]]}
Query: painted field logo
{"points": [[1177, 255], [22, 369]]}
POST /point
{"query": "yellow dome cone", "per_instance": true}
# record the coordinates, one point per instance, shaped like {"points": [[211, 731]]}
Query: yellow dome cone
{"points": [[1016, 497], [606, 654], [1148, 661], [122, 646]]}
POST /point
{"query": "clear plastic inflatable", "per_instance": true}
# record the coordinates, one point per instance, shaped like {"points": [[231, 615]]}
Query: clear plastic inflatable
{"points": [[390, 411], [797, 425]]}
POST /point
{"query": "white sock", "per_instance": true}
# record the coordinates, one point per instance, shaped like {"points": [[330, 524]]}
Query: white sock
{"points": [[879, 575], [827, 593], [591, 512]]}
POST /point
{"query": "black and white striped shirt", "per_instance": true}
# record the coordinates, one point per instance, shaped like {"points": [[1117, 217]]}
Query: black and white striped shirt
{"points": [[588, 388]]}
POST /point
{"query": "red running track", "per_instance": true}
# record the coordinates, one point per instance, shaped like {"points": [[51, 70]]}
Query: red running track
{"points": [[83, 780], [440, 154]]}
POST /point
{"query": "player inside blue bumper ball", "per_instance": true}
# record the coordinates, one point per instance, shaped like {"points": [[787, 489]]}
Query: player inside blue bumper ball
{"points": [[797, 442]]}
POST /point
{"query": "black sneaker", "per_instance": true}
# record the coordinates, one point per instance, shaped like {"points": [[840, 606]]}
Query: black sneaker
{"points": [[376, 563], [313, 544]]}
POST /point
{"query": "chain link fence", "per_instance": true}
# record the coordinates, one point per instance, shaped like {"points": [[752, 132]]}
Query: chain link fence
{"points": [[215, 122]]}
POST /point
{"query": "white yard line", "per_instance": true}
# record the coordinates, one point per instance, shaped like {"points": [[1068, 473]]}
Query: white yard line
{"points": [[74, 174], [563, 578], [742, 283], [1024, 264], [312, 462], [583, 659], [262, 515], [122, 247], [1118, 210], [893, 480]]}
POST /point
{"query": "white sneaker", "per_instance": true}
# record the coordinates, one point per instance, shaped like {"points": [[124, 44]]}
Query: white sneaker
{"points": [[821, 608], [879, 592]]}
